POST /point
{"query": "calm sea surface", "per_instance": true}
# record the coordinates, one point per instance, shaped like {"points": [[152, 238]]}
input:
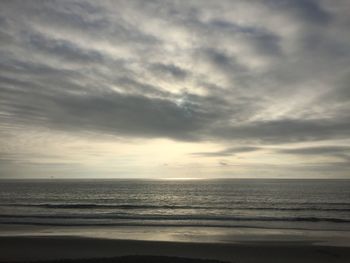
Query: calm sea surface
{"points": [[308, 204]]}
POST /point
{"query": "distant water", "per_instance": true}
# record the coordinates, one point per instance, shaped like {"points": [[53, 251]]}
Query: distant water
{"points": [[306, 204]]}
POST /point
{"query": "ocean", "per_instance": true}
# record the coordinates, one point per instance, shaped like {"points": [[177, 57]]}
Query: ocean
{"points": [[250, 203]]}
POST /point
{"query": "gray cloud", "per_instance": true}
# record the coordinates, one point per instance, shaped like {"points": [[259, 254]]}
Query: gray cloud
{"points": [[317, 150], [228, 151], [169, 70], [307, 10], [342, 152], [282, 131], [235, 72], [62, 49], [262, 40]]}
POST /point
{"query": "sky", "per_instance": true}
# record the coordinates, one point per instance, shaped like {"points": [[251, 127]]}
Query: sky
{"points": [[175, 89]]}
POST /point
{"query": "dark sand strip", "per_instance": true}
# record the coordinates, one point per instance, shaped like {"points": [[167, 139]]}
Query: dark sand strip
{"points": [[132, 259], [52, 248]]}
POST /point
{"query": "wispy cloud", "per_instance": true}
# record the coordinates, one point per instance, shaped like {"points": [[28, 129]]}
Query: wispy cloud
{"points": [[234, 72], [228, 151], [342, 152]]}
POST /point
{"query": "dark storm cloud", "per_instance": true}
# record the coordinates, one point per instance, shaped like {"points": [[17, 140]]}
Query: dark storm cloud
{"points": [[185, 71]]}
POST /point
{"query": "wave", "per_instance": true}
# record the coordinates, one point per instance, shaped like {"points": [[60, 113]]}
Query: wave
{"points": [[171, 224], [120, 206], [198, 218], [148, 206]]}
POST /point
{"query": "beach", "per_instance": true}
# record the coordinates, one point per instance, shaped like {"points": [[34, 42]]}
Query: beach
{"points": [[174, 131], [225, 220], [26, 243], [34, 248]]}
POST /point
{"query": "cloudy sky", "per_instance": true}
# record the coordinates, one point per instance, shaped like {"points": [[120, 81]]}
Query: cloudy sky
{"points": [[175, 89]]}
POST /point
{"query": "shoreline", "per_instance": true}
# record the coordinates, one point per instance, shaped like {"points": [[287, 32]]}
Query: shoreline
{"points": [[33, 248], [187, 234]]}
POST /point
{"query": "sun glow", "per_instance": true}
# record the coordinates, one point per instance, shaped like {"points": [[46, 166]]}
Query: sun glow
{"points": [[182, 178]]}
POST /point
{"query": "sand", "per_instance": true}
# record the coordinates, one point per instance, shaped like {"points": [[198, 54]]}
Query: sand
{"points": [[25, 249]]}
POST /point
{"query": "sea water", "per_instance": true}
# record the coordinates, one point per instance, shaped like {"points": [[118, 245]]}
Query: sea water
{"points": [[251, 203]]}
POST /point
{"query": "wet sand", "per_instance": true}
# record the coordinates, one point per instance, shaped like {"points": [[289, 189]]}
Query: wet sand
{"points": [[44, 248]]}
